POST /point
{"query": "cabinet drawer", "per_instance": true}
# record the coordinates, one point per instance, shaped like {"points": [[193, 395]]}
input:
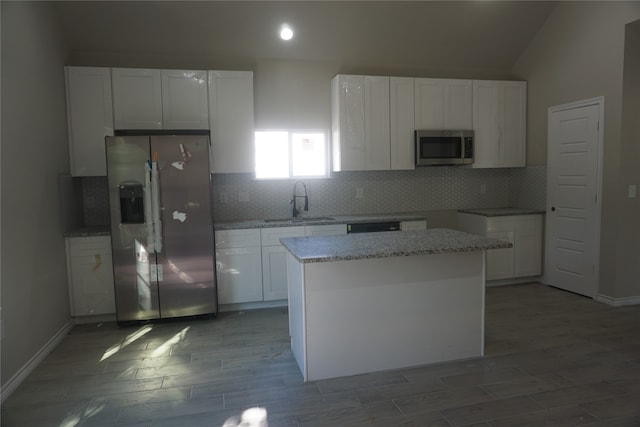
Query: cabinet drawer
{"points": [[326, 230], [238, 238], [529, 223], [272, 236], [413, 225], [89, 246]]}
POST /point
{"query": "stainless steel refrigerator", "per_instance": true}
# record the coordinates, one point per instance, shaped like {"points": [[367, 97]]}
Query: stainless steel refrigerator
{"points": [[161, 226]]}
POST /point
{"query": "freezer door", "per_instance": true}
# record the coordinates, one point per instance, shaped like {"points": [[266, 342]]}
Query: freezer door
{"points": [[186, 275], [136, 292]]}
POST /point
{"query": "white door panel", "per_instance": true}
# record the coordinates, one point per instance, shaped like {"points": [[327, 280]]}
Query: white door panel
{"points": [[572, 197]]}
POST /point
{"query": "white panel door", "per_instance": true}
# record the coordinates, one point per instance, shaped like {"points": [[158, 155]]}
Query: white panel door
{"points": [[137, 98], [401, 123], [573, 210], [184, 99], [376, 119]]}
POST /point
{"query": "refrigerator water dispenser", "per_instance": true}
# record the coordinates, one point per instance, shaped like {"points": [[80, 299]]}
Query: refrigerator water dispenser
{"points": [[131, 204]]}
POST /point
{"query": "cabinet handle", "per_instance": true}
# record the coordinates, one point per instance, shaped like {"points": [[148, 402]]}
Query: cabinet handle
{"points": [[553, 208]]}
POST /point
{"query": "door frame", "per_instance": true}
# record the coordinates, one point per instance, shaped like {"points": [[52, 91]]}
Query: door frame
{"points": [[599, 101]]}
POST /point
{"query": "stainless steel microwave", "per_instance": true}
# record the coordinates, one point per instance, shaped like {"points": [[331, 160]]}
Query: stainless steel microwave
{"points": [[444, 147]]}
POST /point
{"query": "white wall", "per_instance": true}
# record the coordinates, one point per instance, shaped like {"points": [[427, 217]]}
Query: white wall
{"points": [[579, 54], [34, 151]]}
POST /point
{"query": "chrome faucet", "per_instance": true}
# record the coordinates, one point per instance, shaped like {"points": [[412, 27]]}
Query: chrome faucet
{"points": [[295, 196]]}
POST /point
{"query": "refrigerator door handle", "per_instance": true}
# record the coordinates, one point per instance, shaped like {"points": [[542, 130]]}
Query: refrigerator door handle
{"points": [[155, 207], [148, 211]]}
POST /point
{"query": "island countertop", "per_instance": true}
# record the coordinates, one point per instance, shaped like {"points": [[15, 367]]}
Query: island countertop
{"points": [[387, 244]]}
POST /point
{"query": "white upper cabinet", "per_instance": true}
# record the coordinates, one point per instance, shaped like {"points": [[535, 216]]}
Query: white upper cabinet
{"points": [[499, 122], [90, 118], [360, 123], [443, 104], [401, 110], [376, 120], [232, 121], [160, 99], [137, 98], [184, 99]]}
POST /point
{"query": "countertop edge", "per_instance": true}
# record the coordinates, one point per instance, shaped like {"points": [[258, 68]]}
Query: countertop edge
{"points": [[348, 248]]}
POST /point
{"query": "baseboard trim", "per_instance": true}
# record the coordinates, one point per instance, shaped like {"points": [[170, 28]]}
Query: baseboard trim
{"points": [[252, 305], [513, 281], [17, 379], [617, 302]]}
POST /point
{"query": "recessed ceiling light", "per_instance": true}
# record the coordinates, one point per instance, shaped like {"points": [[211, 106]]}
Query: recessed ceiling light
{"points": [[286, 33]]}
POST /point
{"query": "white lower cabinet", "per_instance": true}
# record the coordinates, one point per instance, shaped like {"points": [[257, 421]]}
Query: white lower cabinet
{"points": [[238, 266], [90, 269], [274, 261], [524, 259]]}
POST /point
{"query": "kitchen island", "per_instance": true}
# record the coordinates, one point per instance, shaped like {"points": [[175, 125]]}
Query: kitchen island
{"points": [[377, 301]]}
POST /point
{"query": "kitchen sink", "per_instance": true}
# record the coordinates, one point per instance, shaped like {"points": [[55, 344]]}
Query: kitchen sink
{"points": [[300, 219]]}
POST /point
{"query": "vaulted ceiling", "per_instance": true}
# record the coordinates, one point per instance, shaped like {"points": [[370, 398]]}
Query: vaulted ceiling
{"points": [[416, 34]]}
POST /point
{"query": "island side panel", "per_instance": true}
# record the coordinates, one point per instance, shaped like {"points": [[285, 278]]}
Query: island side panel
{"points": [[386, 313], [295, 284]]}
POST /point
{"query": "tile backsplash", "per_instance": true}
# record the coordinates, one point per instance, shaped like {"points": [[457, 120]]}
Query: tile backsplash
{"points": [[240, 196]]}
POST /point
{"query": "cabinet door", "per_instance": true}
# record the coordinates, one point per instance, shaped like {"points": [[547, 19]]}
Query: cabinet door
{"points": [[326, 230], [401, 123], [528, 246], [90, 276], [500, 261], [457, 104], [513, 124], [239, 274], [347, 122], [486, 117], [429, 101], [90, 118], [231, 121], [184, 99], [499, 122], [376, 119], [137, 98], [274, 272]]}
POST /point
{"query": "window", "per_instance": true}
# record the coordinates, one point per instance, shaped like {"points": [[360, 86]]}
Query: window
{"points": [[289, 154]]}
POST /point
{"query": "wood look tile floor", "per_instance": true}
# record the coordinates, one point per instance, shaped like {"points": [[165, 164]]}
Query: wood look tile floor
{"points": [[552, 359]]}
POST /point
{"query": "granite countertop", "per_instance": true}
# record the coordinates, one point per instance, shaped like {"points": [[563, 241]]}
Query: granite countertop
{"points": [[387, 244], [89, 232], [318, 220], [502, 211]]}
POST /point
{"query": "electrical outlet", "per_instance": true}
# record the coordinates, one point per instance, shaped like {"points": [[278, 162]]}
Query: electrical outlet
{"points": [[359, 193]]}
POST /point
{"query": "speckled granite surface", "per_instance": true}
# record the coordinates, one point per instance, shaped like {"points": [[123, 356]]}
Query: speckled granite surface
{"points": [[89, 232], [388, 244], [502, 211], [338, 219]]}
